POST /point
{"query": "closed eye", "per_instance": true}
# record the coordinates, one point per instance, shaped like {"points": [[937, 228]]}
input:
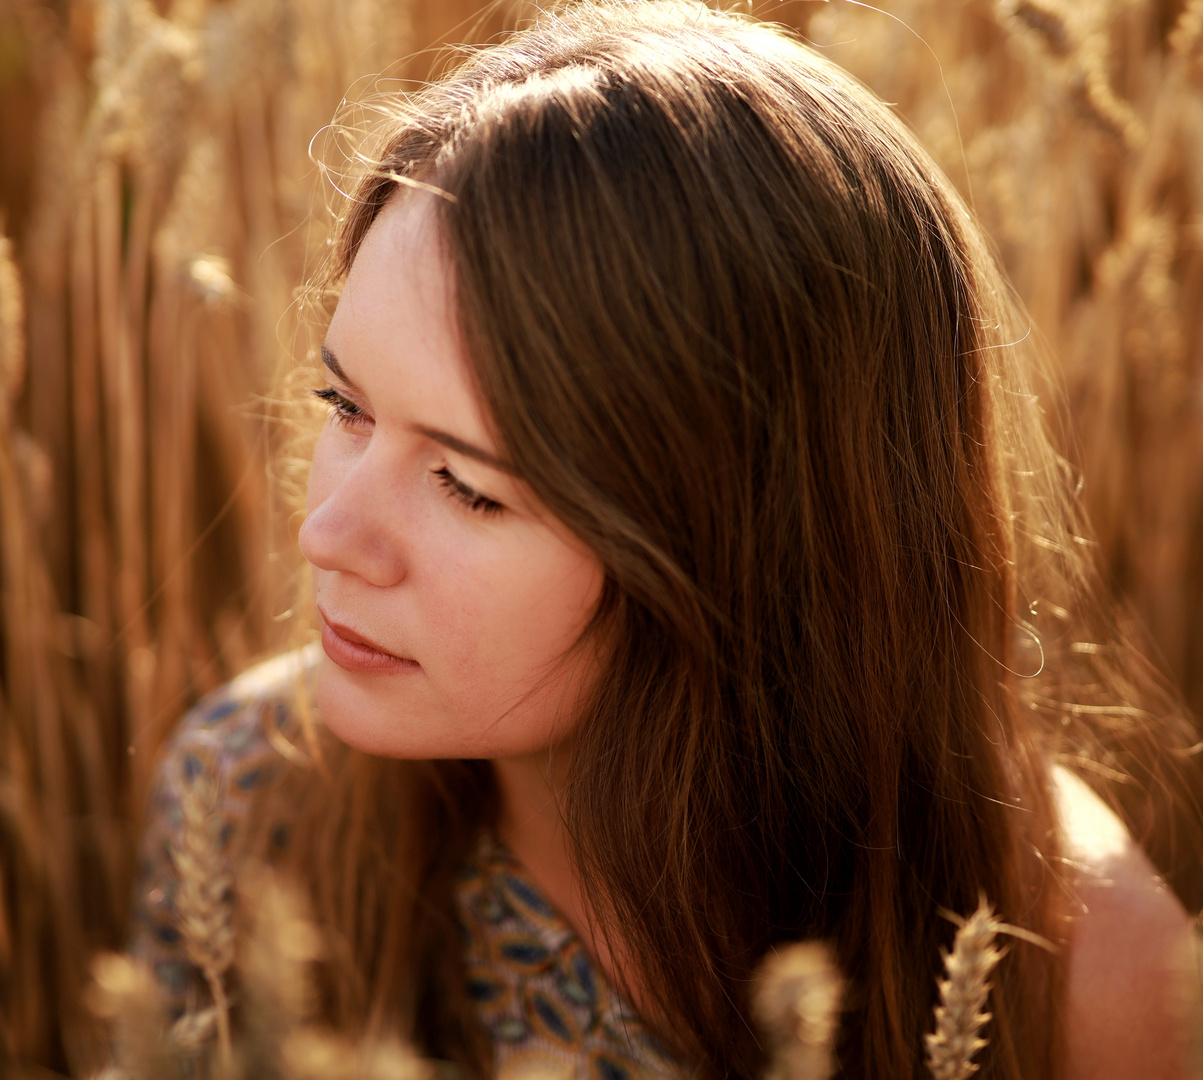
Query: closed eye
{"points": [[345, 411], [474, 500]]}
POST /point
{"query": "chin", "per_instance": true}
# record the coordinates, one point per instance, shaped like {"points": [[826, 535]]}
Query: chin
{"points": [[369, 714], [354, 712]]}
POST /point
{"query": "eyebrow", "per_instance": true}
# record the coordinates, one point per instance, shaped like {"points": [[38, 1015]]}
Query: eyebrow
{"points": [[336, 369], [452, 442]]}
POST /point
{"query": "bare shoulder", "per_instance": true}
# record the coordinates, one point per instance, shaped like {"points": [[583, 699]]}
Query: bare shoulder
{"points": [[1130, 941]]}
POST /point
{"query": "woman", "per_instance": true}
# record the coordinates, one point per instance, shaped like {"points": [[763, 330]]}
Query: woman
{"points": [[691, 560]]}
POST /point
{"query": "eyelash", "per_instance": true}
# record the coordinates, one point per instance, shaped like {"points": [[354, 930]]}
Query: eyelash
{"points": [[474, 500], [347, 413]]}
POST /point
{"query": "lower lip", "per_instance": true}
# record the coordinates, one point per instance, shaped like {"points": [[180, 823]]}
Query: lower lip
{"points": [[362, 659]]}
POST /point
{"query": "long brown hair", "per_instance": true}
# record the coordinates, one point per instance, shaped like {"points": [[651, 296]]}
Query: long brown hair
{"points": [[736, 330]]}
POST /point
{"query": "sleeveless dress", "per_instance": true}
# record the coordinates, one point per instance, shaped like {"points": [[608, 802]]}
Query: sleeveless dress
{"points": [[534, 987]]}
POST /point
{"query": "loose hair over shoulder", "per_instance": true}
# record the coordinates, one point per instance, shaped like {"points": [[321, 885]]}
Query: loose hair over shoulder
{"points": [[740, 335]]}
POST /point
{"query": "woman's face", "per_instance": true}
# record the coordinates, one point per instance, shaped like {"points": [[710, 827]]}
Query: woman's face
{"points": [[448, 597]]}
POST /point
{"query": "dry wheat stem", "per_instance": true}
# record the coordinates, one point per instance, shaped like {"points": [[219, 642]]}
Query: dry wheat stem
{"points": [[12, 330]]}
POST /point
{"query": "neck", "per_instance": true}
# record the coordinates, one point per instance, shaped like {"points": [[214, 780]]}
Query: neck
{"points": [[532, 828]]}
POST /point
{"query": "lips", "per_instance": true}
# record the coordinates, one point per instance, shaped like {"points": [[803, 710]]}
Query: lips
{"points": [[353, 652]]}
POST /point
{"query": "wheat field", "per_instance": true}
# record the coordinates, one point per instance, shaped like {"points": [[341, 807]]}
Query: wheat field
{"points": [[159, 207]]}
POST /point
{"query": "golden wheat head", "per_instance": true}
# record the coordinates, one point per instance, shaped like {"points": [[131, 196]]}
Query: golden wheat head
{"points": [[961, 1014], [274, 960], [204, 894], [124, 993], [797, 1005]]}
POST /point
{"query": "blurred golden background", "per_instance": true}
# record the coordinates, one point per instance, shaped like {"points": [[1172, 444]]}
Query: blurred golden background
{"points": [[159, 208]]}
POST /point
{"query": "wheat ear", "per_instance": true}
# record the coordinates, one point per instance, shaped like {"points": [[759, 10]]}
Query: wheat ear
{"points": [[961, 1014], [204, 898], [1187, 34], [310, 1053], [126, 994], [193, 1031], [1047, 20], [797, 1005], [273, 962]]}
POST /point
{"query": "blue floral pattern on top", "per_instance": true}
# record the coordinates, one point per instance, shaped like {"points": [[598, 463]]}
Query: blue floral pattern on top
{"points": [[535, 987], [532, 984]]}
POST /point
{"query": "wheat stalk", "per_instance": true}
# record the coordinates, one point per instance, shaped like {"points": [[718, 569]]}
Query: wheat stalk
{"points": [[797, 1004], [12, 328], [204, 901]]}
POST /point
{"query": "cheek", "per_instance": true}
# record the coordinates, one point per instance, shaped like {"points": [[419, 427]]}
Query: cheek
{"points": [[509, 620]]}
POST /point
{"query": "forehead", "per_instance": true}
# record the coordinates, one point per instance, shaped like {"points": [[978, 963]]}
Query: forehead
{"points": [[396, 332]]}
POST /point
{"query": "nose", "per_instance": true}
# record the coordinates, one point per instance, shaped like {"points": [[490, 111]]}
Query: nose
{"points": [[355, 513]]}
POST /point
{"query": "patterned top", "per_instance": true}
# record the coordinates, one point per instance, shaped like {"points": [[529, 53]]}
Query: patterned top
{"points": [[535, 988]]}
